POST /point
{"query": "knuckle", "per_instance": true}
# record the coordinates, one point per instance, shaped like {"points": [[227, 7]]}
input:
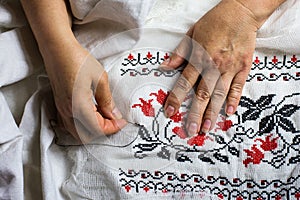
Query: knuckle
{"points": [[195, 116], [236, 88], [219, 94], [183, 84], [211, 113], [202, 95]]}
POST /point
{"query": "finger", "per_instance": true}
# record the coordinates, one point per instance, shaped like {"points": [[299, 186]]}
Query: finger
{"points": [[180, 53], [105, 103], [235, 92], [95, 123], [201, 100], [216, 102]]}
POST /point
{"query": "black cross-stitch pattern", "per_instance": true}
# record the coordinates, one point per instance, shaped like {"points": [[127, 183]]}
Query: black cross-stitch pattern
{"points": [[147, 60], [274, 77], [147, 72], [275, 66], [287, 62], [143, 181], [277, 123]]}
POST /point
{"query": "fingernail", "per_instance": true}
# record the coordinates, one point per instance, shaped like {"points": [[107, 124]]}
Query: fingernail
{"points": [[116, 113], [192, 129], [206, 125], [229, 110], [169, 111]]}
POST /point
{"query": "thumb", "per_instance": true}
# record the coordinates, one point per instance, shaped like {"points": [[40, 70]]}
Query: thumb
{"points": [[105, 103]]}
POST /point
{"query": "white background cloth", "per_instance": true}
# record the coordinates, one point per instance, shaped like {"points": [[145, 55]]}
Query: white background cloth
{"points": [[28, 150]]}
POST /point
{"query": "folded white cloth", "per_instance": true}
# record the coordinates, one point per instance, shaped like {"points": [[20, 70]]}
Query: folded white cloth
{"points": [[11, 170], [251, 155]]}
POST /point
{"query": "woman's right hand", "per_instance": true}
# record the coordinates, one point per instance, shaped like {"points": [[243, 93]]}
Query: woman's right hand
{"points": [[77, 78]]}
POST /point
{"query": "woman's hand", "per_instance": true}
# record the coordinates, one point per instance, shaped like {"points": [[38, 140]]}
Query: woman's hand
{"points": [[219, 48], [76, 78]]}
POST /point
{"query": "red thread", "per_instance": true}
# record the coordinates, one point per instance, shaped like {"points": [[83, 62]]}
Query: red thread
{"points": [[294, 59], [220, 196], [146, 189], [239, 198], [198, 140], [225, 125], [177, 117], [146, 107], [149, 55], [255, 156], [278, 197], [127, 188], [275, 60], [166, 56], [268, 144], [180, 131], [130, 57], [297, 195], [257, 61], [160, 96]]}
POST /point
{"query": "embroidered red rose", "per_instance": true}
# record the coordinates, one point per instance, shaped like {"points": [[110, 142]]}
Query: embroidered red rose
{"points": [[198, 140], [180, 131], [255, 156], [146, 107], [224, 125], [177, 117], [160, 96], [268, 145]]}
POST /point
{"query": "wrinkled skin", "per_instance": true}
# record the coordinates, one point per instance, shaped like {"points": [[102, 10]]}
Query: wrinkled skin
{"points": [[219, 48]]}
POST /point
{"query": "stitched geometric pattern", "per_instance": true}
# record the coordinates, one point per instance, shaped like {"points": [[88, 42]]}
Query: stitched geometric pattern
{"points": [[262, 137], [221, 187]]}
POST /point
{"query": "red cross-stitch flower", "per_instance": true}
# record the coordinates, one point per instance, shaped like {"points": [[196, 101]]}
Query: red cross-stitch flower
{"points": [[268, 145], [275, 60], [198, 140], [255, 156], [294, 59], [127, 188], [164, 190], [278, 197], [257, 61], [130, 57], [146, 107], [177, 117], [166, 57], [149, 55], [146, 189], [224, 125], [180, 131], [297, 195], [160, 96], [220, 196]]}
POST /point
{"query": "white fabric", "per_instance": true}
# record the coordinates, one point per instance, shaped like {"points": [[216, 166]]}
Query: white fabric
{"points": [[56, 172], [11, 171]]}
